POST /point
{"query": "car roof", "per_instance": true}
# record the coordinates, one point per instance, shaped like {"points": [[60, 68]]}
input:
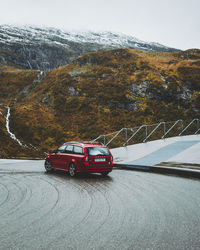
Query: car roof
{"points": [[85, 144]]}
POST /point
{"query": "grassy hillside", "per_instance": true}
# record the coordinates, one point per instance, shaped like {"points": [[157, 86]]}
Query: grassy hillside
{"points": [[98, 93]]}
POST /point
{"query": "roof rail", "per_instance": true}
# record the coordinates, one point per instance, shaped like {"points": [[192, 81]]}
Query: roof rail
{"points": [[95, 142], [72, 142]]}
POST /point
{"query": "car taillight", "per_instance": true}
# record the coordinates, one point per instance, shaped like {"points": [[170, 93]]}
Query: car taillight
{"points": [[86, 161]]}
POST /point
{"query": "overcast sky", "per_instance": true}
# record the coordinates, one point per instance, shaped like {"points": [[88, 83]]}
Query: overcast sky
{"points": [[175, 23]]}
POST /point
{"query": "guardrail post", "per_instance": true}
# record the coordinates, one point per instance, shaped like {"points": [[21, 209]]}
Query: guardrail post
{"points": [[181, 125], [126, 136], [197, 124], [164, 129], [146, 131]]}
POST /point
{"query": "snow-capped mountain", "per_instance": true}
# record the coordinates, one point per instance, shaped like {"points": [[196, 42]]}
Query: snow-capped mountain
{"points": [[47, 48]]}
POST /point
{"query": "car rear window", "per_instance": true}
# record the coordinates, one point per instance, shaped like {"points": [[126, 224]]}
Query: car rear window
{"points": [[94, 151]]}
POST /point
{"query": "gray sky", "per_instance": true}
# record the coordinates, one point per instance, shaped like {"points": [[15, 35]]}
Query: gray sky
{"points": [[174, 23]]}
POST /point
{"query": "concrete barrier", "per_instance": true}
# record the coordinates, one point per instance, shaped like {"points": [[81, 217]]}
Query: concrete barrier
{"points": [[177, 155]]}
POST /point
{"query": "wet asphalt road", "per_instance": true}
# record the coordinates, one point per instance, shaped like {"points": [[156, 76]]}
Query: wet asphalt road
{"points": [[126, 210]]}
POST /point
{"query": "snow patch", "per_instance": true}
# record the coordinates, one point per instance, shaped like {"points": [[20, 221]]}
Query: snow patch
{"points": [[27, 35]]}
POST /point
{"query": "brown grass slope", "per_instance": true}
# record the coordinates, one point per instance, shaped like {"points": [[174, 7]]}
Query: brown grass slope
{"points": [[99, 93]]}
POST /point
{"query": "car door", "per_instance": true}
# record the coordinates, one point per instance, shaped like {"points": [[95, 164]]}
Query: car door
{"points": [[53, 158], [58, 157], [78, 156], [66, 156]]}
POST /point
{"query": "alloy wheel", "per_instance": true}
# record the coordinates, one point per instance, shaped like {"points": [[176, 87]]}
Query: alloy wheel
{"points": [[72, 170]]}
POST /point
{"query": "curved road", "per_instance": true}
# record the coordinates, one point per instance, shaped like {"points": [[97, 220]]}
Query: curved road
{"points": [[126, 210]]}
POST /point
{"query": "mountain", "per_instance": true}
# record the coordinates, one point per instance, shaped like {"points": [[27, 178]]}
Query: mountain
{"points": [[47, 48], [96, 93]]}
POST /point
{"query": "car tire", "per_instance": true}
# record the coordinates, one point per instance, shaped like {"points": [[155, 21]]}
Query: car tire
{"points": [[72, 170], [105, 173], [48, 166]]}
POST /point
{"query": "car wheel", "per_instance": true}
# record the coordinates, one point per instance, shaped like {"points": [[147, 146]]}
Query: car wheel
{"points": [[48, 165], [105, 173], [72, 170]]}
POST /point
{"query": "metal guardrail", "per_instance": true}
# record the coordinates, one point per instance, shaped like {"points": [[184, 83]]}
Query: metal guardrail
{"points": [[178, 121], [164, 130], [194, 120], [137, 131], [159, 124]]}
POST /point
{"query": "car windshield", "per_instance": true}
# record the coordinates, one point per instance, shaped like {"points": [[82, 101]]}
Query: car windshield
{"points": [[94, 151]]}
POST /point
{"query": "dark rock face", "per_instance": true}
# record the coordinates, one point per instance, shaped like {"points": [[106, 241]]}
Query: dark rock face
{"points": [[45, 48], [41, 57]]}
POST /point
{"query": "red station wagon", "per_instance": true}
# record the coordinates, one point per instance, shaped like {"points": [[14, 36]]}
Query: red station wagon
{"points": [[76, 157]]}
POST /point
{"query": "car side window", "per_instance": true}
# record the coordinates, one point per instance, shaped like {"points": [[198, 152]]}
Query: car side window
{"points": [[78, 150], [69, 149], [61, 149]]}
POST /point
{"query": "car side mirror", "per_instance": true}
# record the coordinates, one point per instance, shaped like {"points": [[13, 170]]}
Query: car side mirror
{"points": [[54, 151]]}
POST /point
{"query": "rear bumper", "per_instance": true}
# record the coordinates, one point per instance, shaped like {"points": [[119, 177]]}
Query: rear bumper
{"points": [[95, 169]]}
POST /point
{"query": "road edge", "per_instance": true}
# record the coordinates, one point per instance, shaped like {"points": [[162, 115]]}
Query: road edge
{"points": [[184, 172]]}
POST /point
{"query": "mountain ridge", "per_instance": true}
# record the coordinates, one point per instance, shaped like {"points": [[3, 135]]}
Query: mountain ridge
{"points": [[40, 48]]}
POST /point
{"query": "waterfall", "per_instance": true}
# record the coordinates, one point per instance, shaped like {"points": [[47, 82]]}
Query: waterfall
{"points": [[8, 128]]}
